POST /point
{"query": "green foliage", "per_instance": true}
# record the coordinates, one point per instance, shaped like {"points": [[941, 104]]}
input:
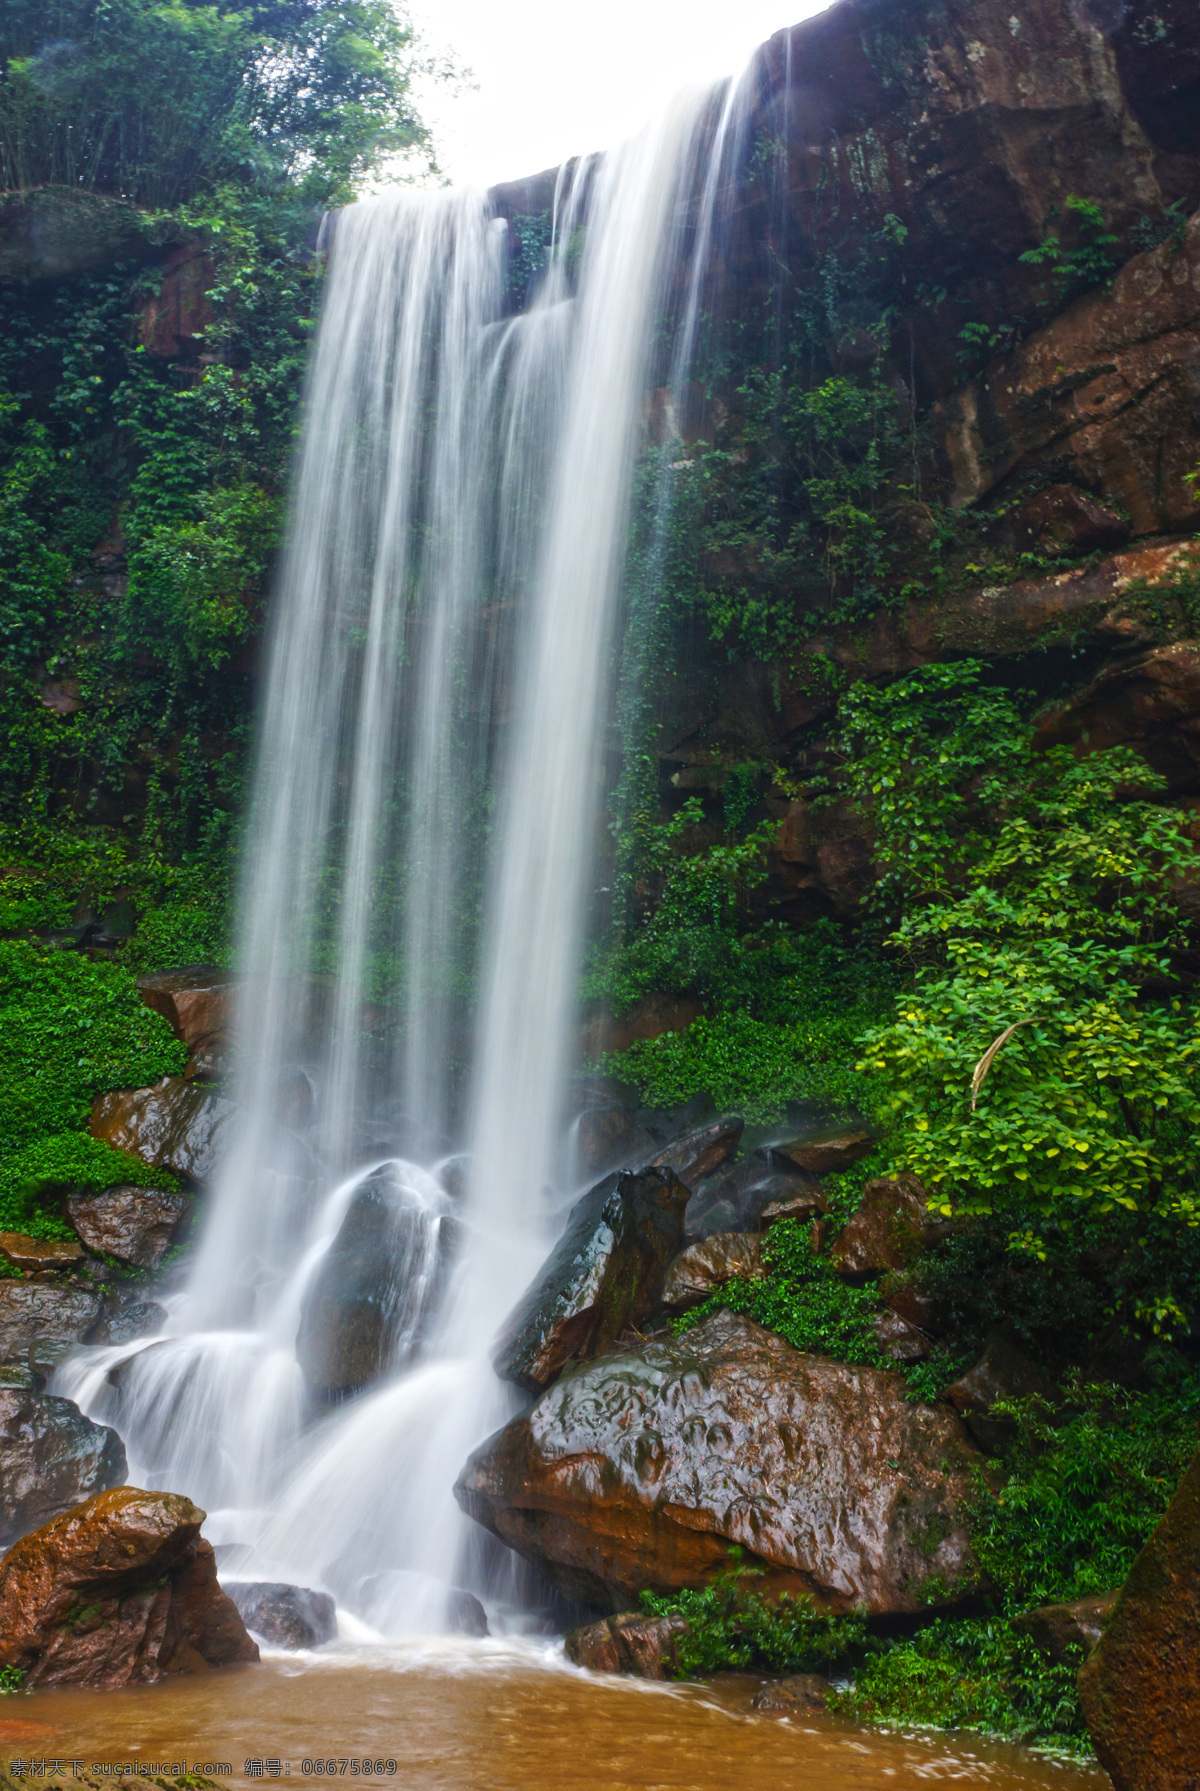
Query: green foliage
{"points": [[969, 1673], [1081, 254], [1085, 1485], [32, 1178], [731, 1627], [1041, 920], [11, 1680], [69, 1029], [804, 1299], [154, 102]]}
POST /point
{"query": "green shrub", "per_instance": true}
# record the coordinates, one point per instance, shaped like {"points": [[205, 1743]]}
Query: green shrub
{"points": [[69, 1029], [730, 1626], [32, 1179]]}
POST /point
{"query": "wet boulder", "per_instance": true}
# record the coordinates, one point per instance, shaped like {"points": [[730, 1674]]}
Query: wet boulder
{"points": [[700, 1268], [197, 1002], [285, 1616], [124, 1321], [737, 1197], [35, 1254], [51, 1458], [1140, 1686], [1002, 1372], [800, 1694], [367, 1311], [891, 1225], [700, 1152], [1067, 1631], [43, 1317], [641, 1469], [633, 1643], [173, 1124], [824, 1153], [605, 1273], [900, 1340], [121, 1590], [136, 1225]]}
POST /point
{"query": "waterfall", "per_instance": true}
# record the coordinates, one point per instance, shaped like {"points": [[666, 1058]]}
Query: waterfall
{"points": [[422, 844]]}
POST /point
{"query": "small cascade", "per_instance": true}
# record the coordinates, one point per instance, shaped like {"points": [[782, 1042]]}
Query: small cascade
{"points": [[423, 843]]}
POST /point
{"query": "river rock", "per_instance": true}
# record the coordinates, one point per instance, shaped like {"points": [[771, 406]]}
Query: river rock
{"points": [[366, 1311], [800, 1694], [738, 1198], [51, 1458], [33, 1254], [699, 1152], [1002, 1372], [39, 1313], [122, 1590], [1065, 1630], [890, 1225], [606, 1272], [825, 1153], [197, 1003], [136, 1225], [1140, 1686], [285, 1616], [631, 1643], [710, 1263], [173, 1124], [643, 1468]]}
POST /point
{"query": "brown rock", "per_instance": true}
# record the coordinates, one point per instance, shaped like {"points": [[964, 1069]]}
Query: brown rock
{"points": [[798, 1695], [36, 1313], [197, 1003], [136, 1225], [51, 1457], [173, 321], [1140, 1686], [724, 1257], [1002, 1372], [891, 1224], [900, 1340], [648, 1018], [904, 1294], [604, 1138], [1151, 702], [1063, 1630], [38, 1253], [1104, 391], [172, 1125], [53, 233], [737, 1196], [1061, 520], [826, 1153], [606, 1272], [641, 1469], [699, 1153], [631, 1643], [804, 1202], [122, 1590]]}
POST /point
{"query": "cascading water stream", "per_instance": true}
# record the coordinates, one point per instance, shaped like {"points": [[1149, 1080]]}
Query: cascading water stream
{"points": [[444, 649]]}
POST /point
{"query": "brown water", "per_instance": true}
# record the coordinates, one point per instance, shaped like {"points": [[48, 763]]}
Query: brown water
{"points": [[494, 1716]]}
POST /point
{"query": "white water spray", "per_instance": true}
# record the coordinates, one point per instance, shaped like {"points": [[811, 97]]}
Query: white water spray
{"points": [[443, 647]]}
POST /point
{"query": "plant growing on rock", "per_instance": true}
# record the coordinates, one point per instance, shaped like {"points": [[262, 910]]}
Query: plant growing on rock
{"points": [[1047, 1054], [730, 1626]]}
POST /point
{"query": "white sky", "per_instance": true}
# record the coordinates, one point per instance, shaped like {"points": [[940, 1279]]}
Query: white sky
{"points": [[555, 80]]}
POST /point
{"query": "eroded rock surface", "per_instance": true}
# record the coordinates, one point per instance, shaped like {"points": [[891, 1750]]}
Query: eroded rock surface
{"points": [[51, 1458], [172, 1125], [632, 1643], [1140, 1686], [34, 1313], [136, 1225], [710, 1263], [641, 1469], [606, 1272], [1063, 1631], [38, 1253], [122, 1590]]}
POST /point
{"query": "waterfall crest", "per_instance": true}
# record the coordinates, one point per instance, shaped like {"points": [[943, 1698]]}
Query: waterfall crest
{"points": [[422, 845]]}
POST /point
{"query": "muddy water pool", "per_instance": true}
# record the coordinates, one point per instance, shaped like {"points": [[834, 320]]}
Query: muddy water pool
{"points": [[493, 1716]]}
